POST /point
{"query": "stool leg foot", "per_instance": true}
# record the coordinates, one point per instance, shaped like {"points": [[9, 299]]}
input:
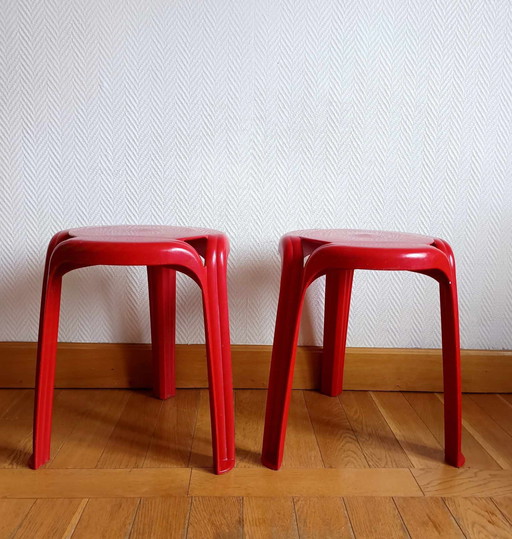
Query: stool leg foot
{"points": [[218, 348], [284, 350], [45, 375], [451, 374], [338, 289], [162, 305]]}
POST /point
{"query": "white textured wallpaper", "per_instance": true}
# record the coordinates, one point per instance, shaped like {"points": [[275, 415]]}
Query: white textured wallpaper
{"points": [[256, 118]]}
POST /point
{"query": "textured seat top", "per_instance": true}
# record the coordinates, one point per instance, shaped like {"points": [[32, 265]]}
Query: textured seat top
{"points": [[140, 233], [363, 238]]}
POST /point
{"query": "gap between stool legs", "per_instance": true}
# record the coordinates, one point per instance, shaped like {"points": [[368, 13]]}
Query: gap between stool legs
{"points": [[338, 289], [162, 307]]}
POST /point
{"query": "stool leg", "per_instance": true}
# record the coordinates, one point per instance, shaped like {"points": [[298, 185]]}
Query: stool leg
{"points": [[338, 289], [284, 350], [45, 375], [216, 321], [162, 306], [451, 373]]}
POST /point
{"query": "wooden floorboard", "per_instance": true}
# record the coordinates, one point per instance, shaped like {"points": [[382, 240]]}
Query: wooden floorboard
{"points": [[269, 517], [378, 443], [51, 518], [322, 518], [427, 517], [94, 483], [305, 482], [488, 432], [106, 518], [12, 514], [161, 518], [125, 464], [419, 444], [464, 482], [375, 518], [335, 437], [215, 517], [430, 409], [479, 517]]}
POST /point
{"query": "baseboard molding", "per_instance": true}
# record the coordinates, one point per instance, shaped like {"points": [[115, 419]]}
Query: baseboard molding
{"points": [[106, 365]]}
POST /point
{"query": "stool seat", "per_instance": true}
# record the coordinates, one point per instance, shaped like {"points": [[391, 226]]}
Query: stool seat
{"points": [[141, 233], [336, 253], [362, 238], [201, 254], [367, 249]]}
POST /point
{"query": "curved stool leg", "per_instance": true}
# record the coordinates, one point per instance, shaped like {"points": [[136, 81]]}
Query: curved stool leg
{"points": [[338, 289], [451, 373], [162, 306], [284, 350], [45, 375], [222, 293], [218, 351]]}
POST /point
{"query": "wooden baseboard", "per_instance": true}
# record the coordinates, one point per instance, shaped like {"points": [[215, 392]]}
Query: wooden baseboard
{"points": [[105, 365]]}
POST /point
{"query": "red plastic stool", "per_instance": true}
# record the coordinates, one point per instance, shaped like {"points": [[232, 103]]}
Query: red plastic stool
{"points": [[164, 250], [336, 254]]}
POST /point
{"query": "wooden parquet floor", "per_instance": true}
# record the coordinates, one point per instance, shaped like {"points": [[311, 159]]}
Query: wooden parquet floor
{"points": [[366, 464]]}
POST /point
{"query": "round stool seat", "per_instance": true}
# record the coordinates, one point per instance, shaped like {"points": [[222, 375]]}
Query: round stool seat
{"points": [[141, 233], [363, 238], [367, 249]]}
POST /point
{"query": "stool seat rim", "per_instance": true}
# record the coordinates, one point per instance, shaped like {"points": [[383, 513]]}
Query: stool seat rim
{"points": [[141, 233], [364, 238]]}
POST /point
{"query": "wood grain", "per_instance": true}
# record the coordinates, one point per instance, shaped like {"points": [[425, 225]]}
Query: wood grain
{"points": [[430, 409], [16, 432], [269, 517], [122, 365], [496, 407], [9, 399], [322, 518], [94, 483], [335, 438], [250, 418], [215, 517], [161, 518], [12, 514], [301, 450], [309, 501], [375, 518], [449, 481], [504, 504], [488, 433], [171, 441], [479, 517], [423, 450], [201, 451], [106, 518], [130, 439], [305, 482], [83, 447], [379, 445], [427, 517], [51, 518]]}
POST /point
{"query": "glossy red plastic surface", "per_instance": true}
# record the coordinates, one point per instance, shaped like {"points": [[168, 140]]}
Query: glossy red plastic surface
{"points": [[199, 253], [336, 254]]}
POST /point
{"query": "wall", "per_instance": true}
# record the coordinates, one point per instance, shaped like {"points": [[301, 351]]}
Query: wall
{"points": [[258, 118]]}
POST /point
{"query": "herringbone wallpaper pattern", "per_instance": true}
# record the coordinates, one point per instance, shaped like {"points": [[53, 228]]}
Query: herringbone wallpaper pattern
{"points": [[256, 118]]}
